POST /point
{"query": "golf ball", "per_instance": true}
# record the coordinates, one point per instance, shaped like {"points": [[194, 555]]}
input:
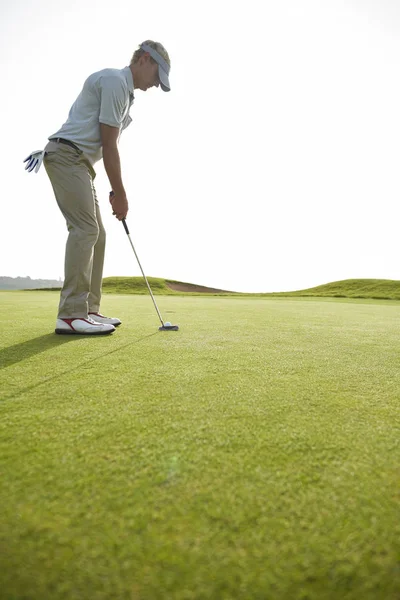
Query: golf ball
{"points": [[167, 324]]}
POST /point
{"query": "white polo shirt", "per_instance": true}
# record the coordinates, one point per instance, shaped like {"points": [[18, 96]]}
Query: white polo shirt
{"points": [[106, 97]]}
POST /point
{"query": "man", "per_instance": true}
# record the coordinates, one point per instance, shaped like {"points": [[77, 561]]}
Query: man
{"points": [[91, 132]]}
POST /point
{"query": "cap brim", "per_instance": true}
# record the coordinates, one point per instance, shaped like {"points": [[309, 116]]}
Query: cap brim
{"points": [[164, 81]]}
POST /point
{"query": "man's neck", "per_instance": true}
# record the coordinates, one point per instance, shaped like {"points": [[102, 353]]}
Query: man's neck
{"points": [[134, 75]]}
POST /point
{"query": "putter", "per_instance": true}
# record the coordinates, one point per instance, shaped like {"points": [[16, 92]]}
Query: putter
{"points": [[164, 326]]}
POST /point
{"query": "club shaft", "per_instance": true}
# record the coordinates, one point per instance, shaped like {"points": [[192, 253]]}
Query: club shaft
{"points": [[145, 278]]}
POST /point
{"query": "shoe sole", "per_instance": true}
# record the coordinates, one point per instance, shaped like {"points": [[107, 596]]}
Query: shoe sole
{"points": [[115, 324], [70, 332]]}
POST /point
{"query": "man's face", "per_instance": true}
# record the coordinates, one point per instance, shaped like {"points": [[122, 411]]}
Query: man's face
{"points": [[148, 74]]}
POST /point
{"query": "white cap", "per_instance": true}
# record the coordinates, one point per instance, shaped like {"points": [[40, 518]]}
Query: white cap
{"points": [[163, 67]]}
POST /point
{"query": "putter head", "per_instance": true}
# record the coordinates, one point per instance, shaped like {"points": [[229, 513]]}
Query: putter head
{"points": [[169, 328]]}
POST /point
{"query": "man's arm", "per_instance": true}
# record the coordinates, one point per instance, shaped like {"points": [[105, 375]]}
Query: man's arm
{"points": [[112, 165]]}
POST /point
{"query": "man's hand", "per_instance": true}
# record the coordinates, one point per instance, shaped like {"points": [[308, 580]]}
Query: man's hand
{"points": [[119, 203]]}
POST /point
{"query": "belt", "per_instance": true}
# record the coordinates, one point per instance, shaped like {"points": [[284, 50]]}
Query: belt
{"points": [[68, 142]]}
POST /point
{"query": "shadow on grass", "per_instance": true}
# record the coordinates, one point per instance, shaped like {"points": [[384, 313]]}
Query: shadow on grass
{"points": [[14, 354], [30, 348]]}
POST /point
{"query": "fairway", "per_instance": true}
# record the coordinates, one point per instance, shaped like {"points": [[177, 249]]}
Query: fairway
{"points": [[252, 455]]}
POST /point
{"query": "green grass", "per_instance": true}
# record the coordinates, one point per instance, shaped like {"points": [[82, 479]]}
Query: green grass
{"points": [[135, 285], [384, 289], [254, 454], [387, 289]]}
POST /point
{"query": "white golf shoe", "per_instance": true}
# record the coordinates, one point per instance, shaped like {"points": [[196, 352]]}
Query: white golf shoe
{"points": [[105, 320], [77, 326]]}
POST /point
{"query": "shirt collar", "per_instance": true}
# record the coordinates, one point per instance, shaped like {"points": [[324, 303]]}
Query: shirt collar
{"points": [[129, 79]]}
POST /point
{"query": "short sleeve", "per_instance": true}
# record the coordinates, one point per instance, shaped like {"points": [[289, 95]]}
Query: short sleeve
{"points": [[113, 101]]}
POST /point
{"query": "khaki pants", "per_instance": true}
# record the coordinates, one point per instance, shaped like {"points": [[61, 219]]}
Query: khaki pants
{"points": [[72, 176]]}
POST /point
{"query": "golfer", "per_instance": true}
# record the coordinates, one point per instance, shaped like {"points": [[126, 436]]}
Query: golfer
{"points": [[95, 122]]}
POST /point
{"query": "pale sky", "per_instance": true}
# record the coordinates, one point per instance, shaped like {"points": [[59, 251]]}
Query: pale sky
{"points": [[272, 165]]}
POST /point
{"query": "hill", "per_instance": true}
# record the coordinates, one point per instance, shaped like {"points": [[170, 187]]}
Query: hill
{"points": [[137, 285], [26, 283], [380, 289], [386, 289]]}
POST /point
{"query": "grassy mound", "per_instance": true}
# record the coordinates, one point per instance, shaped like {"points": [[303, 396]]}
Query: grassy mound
{"points": [[137, 285], [381, 289], [385, 289], [134, 285]]}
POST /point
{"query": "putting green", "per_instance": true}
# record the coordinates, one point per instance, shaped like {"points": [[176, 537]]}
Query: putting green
{"points": [[253, 454]]}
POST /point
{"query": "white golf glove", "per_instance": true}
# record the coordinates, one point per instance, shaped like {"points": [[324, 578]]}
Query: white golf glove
{"points": [[34, 160]]}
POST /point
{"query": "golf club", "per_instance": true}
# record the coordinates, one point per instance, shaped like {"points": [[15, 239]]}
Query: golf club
{"points": [[164, 326]]}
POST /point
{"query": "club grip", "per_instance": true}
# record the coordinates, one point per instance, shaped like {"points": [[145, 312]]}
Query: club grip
{"points": [[123, 220], [125, 226]]}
